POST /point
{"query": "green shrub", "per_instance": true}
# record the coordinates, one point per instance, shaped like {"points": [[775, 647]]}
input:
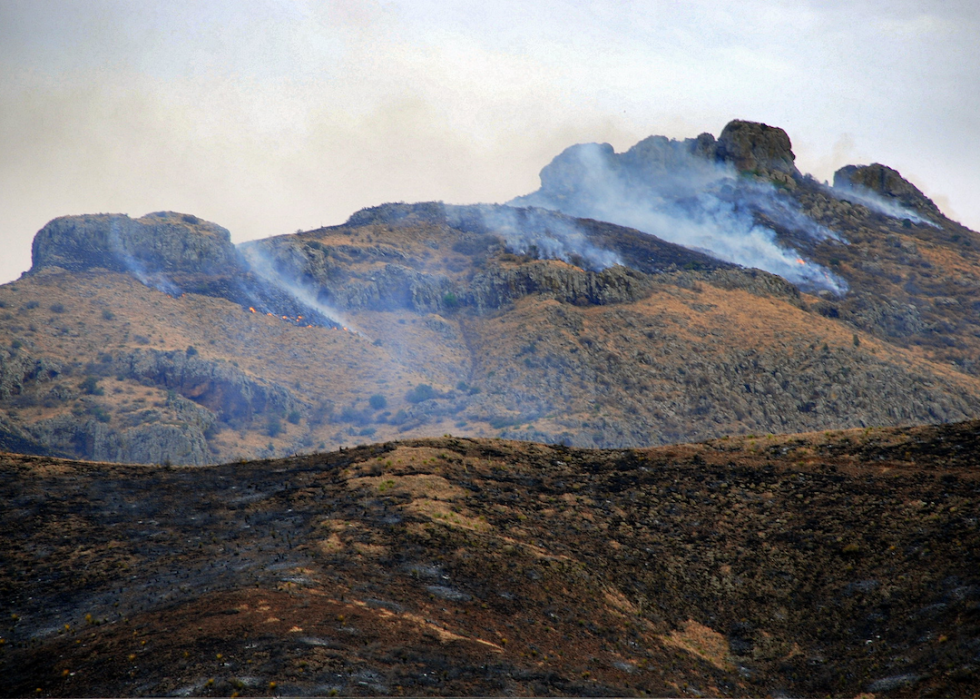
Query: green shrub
{"points": [[294, 417], [90, 386], [450, 300], [57, 308], [420, 393], [378, 402], [191, 350], [108, 315], [99, 413], [273, 427]]}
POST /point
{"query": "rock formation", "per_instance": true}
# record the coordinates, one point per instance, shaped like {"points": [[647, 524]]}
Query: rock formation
{"points": [[887, 183], [164, 242]]}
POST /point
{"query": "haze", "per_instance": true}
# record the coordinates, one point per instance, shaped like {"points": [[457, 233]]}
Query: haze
{"points": [[267, 117]]}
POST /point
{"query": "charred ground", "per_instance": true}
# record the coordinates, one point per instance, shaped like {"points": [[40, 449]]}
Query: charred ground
{"points": [[815, 564]]}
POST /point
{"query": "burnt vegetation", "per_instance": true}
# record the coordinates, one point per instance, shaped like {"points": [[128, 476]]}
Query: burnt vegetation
{"points": [[826, 564]]}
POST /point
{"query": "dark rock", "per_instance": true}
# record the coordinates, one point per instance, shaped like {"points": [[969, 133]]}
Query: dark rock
{"points": [[757, 148], [500, 286], [221, 388], [19, 369], [164, 242], [887, 183]]}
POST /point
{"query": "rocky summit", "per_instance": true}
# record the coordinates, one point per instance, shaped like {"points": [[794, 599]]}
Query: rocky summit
{"points": [[681, 290]]}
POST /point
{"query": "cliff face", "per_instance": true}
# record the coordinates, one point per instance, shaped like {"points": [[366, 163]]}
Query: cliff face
{"points": [[161, 242]]}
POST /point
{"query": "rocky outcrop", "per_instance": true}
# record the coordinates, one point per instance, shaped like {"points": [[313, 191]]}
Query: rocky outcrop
{"points": [[175, 436], [759, 149], [501, 285], [18, 369], [223, 389], [164, 242], [886, 183]]}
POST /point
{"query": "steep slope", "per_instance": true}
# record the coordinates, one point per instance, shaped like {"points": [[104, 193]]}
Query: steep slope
{"points": [[817, 565], [155, 340]]}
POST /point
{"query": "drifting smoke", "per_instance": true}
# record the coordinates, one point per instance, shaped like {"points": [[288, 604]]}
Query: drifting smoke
{"points": [[154, 280], [684, 199], [265, 269], [539, 234], [875, 202]]}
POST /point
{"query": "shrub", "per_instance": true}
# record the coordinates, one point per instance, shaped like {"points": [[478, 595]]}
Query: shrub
{"points": [[31, 304], [108, 315], [191, 350], [294, 417], [450, 300], [378, 402], [420, 393], [16, 344], [273, 428], [90, 386], [99, 413], [57, 308]]}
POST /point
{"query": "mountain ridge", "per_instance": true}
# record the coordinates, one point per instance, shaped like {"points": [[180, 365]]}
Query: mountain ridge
{"points": [[156, 340]]}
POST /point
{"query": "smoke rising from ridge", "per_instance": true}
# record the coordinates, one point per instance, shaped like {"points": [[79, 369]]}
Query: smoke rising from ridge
{"points": [[539, 234], [156, 280], [265, 269], [875, 202], [661, 187]]}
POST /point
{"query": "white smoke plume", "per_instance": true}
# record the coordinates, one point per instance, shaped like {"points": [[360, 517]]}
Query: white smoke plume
{"points": [[687, 200], [875, 202], [154, 280], [265, 269], [541, 235]]}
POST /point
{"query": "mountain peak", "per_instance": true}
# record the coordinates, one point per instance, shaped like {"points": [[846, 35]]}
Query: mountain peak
{"points": [[759, 148]]}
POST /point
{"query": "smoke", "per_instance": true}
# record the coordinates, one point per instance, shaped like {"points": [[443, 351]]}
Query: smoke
{"points": [[539, 234], [155, 280], [875, 202], [660, 187], [264, 267]]}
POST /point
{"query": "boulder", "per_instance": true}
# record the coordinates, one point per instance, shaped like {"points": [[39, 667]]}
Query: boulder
{"points": [[757, 148]]}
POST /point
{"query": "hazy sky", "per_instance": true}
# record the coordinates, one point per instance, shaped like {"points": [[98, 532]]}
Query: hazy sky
{"points": [[267, 117]]}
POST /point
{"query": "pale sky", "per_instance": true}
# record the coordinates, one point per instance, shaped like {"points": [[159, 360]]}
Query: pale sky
{"points": [[267, 117]]}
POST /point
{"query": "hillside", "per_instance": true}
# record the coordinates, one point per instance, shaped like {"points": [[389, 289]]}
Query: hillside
{"points": [[155, 340], [825, 564]]}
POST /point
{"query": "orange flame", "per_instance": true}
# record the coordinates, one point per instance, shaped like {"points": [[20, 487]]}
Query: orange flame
{"points": [[251, 309], [269, 314], [800, 261]]}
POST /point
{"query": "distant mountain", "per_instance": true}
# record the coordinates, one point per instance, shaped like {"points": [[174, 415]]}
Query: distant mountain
{"points": [[626, 303]]}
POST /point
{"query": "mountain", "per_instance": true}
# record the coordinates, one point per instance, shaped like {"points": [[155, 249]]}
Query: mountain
{"points": [[826, 564], [682, 290]]}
